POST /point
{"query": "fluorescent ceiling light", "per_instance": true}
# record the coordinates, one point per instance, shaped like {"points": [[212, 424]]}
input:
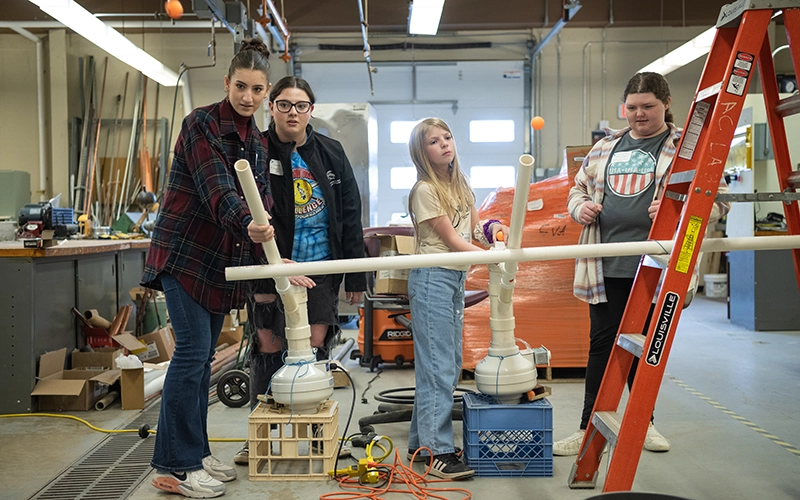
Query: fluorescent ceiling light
{"points": [[425, 16], [81, 21], [686, 53]]}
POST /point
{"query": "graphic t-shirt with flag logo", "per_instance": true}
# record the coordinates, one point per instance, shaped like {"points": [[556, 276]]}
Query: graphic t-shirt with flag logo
{"points": [[629, 190]]}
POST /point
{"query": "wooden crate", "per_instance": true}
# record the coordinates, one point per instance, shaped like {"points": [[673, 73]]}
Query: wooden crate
{"points": [[292, 447]]}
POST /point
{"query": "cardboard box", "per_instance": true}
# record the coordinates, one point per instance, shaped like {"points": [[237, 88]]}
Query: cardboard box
{"points": [[340, 378], [231, 336], [573, 159], [394, 281], [58, 389], [131, 382], [160, 345], [103, 358]]}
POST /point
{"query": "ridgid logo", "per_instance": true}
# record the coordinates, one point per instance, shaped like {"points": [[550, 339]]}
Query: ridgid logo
{"points": [[665, 318], [396, 335]]}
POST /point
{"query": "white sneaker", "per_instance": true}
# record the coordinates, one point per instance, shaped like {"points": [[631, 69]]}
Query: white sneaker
{"points": [[194, 484], [569, 445], [218, 470], [654, 441]]}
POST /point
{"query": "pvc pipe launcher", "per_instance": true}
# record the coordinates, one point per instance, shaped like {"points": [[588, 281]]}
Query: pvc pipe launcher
{"points": [[302, 383], [506, 372]]}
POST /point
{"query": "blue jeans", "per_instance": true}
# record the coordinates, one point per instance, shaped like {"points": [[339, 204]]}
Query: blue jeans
{"points": [[437, 320], [182, 437]]}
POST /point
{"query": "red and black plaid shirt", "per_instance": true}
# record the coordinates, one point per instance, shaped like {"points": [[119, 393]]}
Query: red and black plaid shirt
{"points": [[202, 225]]}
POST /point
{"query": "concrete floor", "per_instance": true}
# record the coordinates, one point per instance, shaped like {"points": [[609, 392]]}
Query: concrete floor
{"points": [[728, 404]]}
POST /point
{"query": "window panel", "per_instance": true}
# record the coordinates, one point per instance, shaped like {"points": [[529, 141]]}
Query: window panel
{"points": [[401, 131], [491, 131], [492, 177], [403, 177]]}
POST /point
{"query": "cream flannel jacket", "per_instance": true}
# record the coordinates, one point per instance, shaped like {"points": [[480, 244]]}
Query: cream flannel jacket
{"points": [[588, 284]]}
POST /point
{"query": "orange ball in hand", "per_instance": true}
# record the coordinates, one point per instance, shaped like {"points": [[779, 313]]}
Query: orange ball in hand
{"points": [[174, 9], [537, 123]]}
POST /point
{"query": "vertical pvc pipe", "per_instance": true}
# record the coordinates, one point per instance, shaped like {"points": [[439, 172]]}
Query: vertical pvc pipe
{"points": [[299, 383], [504, 373]]}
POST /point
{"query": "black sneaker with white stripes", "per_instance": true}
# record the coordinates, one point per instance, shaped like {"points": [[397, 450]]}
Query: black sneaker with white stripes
{"points": [[448, 466], [419, 457]]}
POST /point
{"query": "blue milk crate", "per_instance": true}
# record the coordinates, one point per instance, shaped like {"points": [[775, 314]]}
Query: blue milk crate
{"points": [[508, 440], [63, 216]]}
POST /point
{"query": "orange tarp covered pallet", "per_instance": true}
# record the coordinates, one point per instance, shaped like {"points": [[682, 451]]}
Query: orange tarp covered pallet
{"points": [[545, 310]]}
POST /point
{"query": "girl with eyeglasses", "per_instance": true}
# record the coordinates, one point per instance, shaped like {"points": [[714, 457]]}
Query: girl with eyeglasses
{"points": [[316, 216]]}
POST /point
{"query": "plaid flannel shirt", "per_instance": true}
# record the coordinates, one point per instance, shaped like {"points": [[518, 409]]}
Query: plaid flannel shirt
{"points": [[202, 225]]}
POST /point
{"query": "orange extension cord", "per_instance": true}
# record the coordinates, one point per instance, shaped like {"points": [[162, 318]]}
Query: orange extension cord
{"points": [[396, 474]]}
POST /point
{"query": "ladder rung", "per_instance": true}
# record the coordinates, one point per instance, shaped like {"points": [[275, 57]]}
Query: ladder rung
{"points": [[681, 177], [656, 261], [746, 197], [608, 424], [709, 91], [632, 342], [672, 195], [789, 106]]}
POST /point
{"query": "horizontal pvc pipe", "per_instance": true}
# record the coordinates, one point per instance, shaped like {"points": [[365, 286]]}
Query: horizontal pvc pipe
{"points": [[564, 252]]}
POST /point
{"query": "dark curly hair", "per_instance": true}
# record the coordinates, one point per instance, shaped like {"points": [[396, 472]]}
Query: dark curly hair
{"points": [[642, 83]]}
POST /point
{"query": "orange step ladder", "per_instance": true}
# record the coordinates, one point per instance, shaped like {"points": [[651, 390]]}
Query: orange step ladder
{"points": [[741, 43]]}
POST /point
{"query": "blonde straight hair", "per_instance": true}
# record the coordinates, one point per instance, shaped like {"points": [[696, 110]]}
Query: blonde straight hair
{"points": [[453, 192]]}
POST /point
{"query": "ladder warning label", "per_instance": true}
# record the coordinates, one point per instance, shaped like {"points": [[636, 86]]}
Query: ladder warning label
{"points": [[689, 244], [740, 73], [692, 133], [665, 317]]}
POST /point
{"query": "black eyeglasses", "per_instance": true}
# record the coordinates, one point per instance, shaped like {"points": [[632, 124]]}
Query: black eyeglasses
{"points": [[302, 107]]}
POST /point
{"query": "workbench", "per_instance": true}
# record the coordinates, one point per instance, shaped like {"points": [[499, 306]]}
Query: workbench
{"points": [[40, 288]]}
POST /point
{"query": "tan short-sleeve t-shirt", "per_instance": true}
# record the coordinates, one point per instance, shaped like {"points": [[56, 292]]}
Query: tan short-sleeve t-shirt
{"points": [[426, 206]]}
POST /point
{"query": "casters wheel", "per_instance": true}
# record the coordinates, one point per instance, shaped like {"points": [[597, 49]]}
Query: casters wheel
{"points": [[233, 388], [144, 431], [374, 362]]}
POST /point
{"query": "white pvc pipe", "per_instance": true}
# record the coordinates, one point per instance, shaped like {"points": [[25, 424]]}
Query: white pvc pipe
{"points": [[253, 199], [41, 114], [560, 252], [519, 206], [300, 383], [503, 373], [154, 385]]}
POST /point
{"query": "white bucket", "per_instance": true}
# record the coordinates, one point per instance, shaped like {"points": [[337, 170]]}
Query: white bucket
{"points": [[716, 285]]}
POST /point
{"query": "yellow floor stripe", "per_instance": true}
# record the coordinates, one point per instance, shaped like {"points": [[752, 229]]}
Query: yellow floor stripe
{"points": [[775, 439]]}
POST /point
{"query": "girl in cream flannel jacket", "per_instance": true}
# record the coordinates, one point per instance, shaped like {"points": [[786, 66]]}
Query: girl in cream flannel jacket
{"points": [[588, 285]]}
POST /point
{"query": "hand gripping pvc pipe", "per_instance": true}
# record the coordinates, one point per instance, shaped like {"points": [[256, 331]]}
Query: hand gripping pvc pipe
{"points": [[300, 383]]}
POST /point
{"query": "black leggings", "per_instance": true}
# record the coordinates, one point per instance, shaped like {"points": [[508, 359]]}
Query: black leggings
{"points": [[605, 319]]}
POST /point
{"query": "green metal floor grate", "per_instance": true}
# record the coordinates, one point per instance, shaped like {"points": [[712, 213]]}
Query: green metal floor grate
{"points": [[109, 471]]}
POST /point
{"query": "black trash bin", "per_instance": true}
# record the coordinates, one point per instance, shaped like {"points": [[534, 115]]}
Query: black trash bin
{"points": [[634, 495]]}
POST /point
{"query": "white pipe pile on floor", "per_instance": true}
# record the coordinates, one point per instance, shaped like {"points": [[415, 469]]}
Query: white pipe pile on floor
{"points": [[565, 252]]}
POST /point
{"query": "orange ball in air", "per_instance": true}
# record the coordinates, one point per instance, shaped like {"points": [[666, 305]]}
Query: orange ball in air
{"points": [[174, 9], [537, 123]]}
